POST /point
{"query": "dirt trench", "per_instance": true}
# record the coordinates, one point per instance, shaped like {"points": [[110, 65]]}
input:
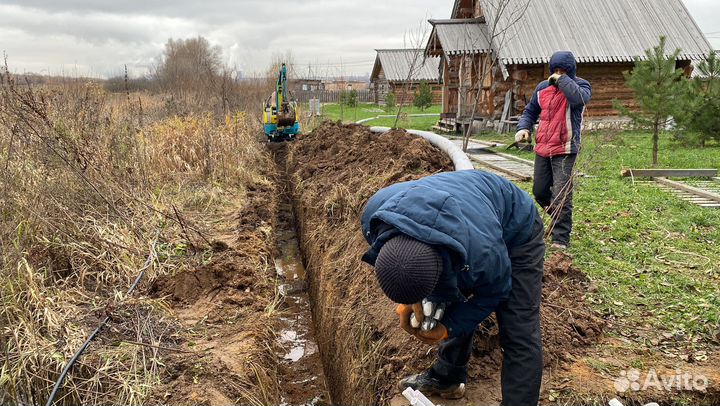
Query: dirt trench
{"points": [[333, 172], [300, 371], [246, 333], [286, 313]]}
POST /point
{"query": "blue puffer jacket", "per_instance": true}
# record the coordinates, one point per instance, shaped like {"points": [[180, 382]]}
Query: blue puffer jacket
{"points": [[560, 109], [472, 217]]}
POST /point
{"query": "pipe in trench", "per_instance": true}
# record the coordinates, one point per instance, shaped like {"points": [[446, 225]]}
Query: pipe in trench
{"points": [[460, 160]]}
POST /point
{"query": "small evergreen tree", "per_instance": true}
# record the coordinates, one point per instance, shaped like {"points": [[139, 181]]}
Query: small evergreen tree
{"points": [[423, 96], [701, 119], [390, 102], [349, 98], [659, 91], [709, 74]]}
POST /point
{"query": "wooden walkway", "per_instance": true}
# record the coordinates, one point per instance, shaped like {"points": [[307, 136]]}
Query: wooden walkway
{"points": [[704, 193], [505, 165]]}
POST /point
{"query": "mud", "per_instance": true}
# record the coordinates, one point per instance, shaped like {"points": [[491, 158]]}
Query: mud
{"points": [[258, 327], [300, 373]]}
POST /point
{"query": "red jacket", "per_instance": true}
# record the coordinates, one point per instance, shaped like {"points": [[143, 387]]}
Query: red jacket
{"points": [[560, 109]]}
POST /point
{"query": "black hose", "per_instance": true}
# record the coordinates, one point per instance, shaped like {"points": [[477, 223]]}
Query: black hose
{"points": [[102, 324]]}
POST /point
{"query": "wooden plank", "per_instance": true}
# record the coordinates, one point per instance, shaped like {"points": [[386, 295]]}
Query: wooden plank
{"points": [[505, 112], [689, 189], [500, 168], [516, 158], [669, 173]]}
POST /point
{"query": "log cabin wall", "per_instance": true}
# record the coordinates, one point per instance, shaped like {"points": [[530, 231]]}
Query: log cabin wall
{"points": [[607, 81], [405, 92], [380, 87], [467, 9]]}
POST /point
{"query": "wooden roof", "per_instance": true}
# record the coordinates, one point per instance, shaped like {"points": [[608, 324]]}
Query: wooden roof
{"points": [[595, 31], [458, 37]]}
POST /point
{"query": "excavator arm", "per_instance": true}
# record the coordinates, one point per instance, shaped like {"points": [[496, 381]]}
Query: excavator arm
{"points": [[281, 120]]}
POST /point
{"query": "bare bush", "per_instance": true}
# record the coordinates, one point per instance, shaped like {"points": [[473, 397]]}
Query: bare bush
{"points": [[88, 180]]}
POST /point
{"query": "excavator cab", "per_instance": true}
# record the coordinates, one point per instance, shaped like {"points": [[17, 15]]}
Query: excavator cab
{"points": [[280, 115]]}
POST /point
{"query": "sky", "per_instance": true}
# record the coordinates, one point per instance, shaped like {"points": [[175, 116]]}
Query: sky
{"points": [[325, 37]]}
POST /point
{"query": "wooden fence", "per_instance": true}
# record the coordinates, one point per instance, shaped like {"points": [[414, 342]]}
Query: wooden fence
{"points": [[327, 96]]}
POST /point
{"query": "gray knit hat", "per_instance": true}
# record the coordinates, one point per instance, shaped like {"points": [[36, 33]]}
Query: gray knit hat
{"points": [[407, 269]]}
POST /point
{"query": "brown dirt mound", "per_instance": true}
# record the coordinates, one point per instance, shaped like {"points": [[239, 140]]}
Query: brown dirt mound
{"points": [[224, 307], [568, 323], [225, 276], [335, 170]]}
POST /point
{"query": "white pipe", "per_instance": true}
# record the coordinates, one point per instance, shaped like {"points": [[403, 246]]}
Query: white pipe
{"points": [[459, 158], [416, 398], [365, 120]]}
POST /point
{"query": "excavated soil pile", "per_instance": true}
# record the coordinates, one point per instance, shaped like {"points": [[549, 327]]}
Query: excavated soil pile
{"points": [[228, 331], [335, 169], [568, 323]]}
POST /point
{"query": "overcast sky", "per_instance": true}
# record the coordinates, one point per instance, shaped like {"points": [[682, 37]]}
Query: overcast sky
{"points": [[98, 37]]}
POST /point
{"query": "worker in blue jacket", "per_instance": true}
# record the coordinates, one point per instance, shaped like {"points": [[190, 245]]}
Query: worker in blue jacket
{"points": [[472, 242]]}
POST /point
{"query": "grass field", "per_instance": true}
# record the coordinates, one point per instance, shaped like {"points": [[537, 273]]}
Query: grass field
{"points": [[362, 111], [654, 258]]}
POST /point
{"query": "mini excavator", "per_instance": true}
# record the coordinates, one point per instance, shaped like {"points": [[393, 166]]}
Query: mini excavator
{"points": [[280, 114]]}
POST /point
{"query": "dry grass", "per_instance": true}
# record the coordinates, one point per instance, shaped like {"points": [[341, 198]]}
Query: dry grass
{"points": [[88, 180]]}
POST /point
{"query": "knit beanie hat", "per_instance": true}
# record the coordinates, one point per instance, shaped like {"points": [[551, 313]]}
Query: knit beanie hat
{"points": [[407, 269]]}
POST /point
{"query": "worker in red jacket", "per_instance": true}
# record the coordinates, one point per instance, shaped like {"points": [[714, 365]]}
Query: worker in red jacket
{"points": [[559, 102]]}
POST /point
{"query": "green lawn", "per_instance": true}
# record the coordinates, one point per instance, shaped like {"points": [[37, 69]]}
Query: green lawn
{"points": [[654, 258], [415, 123], [362, 111]]}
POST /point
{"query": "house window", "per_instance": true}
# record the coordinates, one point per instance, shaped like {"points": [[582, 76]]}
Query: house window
{"points": [[304, 87]]}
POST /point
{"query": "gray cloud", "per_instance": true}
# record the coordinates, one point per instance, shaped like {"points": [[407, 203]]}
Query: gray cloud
{"points": [[98, 36]]}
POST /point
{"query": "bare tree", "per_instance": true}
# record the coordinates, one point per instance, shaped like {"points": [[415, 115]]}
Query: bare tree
{"points": [[501, 16], [414, 39], [190, 67]]}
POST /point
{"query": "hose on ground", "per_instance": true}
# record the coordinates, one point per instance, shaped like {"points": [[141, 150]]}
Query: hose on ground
{"points": [[103, 323]]}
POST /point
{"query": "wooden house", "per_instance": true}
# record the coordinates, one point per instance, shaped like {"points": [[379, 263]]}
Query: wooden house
{"points": [[518, 39], [400, 71]]}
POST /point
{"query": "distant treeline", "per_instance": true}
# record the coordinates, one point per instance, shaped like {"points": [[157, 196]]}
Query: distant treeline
{"points": [[118, 84]]}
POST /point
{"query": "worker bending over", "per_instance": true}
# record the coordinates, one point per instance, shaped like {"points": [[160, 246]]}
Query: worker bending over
{"points": [[470, 243]]}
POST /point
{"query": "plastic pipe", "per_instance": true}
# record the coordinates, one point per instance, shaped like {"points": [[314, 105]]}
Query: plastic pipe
{"points": [[416, 398], [616, 402], [365, 120], [459, 158]]}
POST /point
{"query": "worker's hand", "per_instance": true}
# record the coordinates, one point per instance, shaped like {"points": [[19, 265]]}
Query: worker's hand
{"points": [[405, 311], [554, 78], [433, 336], [522, 136]]}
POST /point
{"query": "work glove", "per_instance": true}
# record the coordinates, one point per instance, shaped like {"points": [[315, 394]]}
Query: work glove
{"points": [[554, 78], [406, 312], [522, 136], [434, 336], [422, 321]]}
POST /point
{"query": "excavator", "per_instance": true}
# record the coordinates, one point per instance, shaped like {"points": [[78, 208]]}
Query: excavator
{"points": [[280, 114]]}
